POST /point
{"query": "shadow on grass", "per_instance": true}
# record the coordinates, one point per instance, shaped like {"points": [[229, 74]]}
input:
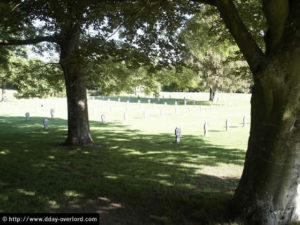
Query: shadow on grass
{"points": [[127, 177]]}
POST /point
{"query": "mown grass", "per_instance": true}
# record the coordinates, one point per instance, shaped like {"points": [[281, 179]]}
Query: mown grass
{"points": [[135, 173]]}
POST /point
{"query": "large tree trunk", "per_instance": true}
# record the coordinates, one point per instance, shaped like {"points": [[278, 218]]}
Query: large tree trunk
{"points": [[268, 192], [75, 80]]}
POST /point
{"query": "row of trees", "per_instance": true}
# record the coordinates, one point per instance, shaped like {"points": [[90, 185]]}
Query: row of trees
{"points": [[266, 32]]}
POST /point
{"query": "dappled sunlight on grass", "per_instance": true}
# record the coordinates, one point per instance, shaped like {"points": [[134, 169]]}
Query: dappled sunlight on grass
{"points": [[139, 174]]}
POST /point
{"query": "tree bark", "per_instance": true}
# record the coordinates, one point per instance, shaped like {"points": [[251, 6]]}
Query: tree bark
{"points": [[75, 80], [269, 189], [212, 94]]}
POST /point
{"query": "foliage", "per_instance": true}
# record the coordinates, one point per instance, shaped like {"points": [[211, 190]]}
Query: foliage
{"points": [[35, 78], [182, 79], [112, 76], [216, 60], [151, 28]]}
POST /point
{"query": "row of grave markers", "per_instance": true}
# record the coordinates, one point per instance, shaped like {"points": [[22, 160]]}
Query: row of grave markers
{"points": [[205, 129], [177, 129], [158, 99], [149, 100]]}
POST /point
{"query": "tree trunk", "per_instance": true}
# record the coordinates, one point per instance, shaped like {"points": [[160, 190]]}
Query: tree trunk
{"points": [[269, 189], [212, 94], [75, 80]]}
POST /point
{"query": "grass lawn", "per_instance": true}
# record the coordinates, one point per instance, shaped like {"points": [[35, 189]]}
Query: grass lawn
{"points": [[135, 173]]}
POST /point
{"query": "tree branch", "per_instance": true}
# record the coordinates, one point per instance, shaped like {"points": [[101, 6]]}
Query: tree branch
{"points": [[29, 41], [276, 12], [240, 33]]}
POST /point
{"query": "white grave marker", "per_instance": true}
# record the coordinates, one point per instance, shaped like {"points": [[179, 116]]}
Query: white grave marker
{"points": [[177, 134], [125, 116], [103, 119], [205, 129], [46, 124], [244, 121], [227, 125], [149, 101], [52, 113], [27, 115]]}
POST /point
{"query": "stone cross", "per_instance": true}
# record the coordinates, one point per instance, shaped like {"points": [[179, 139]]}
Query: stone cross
{"points": [[177, 134], [103, 118], [27, 115], [52, 113], [205, 129], [46, 124]]}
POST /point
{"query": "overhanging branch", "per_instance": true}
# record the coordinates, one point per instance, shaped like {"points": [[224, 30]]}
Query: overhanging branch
{"points": [[29, 41], [240, 33]]}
